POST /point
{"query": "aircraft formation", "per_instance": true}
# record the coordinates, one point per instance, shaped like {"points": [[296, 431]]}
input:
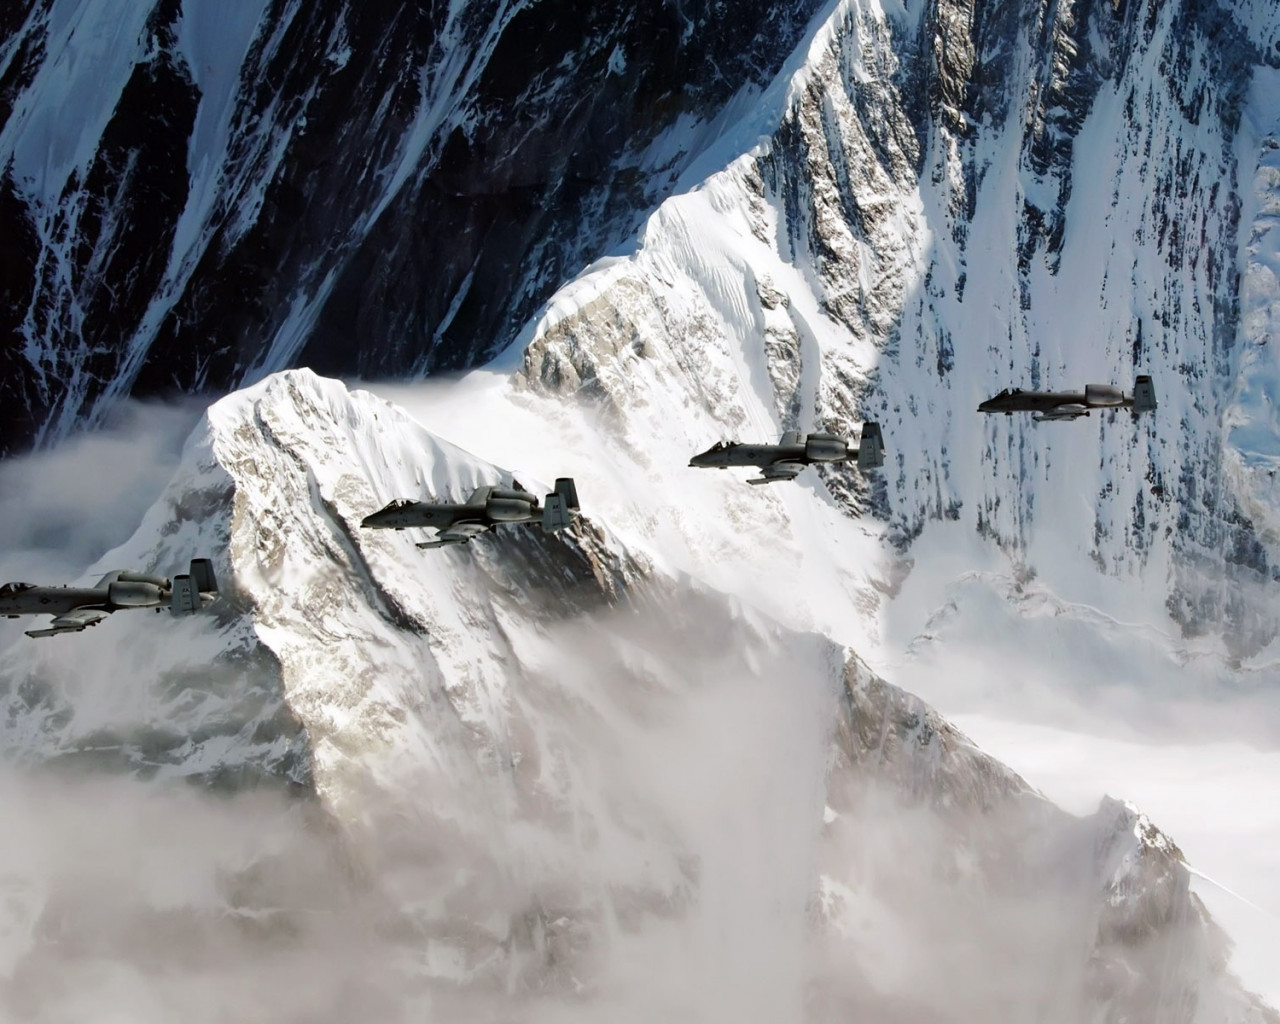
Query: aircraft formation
{"points": [[74, 609]]}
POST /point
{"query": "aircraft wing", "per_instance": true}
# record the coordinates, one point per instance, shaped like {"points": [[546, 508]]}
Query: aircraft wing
{"points": [[458, 533], [778, 471], [72, 622]]}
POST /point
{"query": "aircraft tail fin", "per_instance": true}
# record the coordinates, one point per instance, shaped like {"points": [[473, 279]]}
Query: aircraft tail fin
{"points": [[871, 447], [1144, 394], [202, 575], [194, 589], [566, 488], [186, 598], [557, 511]]}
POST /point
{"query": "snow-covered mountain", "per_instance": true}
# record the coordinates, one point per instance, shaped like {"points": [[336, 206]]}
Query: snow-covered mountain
{"points": [[946, 198], [565, 779], [644, 767], [843, 283], [193, 196]]}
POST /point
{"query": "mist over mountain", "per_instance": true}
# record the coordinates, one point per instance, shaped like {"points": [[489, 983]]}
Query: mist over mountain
{"points": [[655, 766]]}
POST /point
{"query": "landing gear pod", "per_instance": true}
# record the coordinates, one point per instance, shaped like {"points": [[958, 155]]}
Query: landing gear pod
{"points": [[1144, 394]]}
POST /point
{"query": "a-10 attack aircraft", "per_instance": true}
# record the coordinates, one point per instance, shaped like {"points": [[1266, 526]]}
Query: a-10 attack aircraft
{"points": [[486, 508], [1067, 405], [785, 460], [76, 608]]}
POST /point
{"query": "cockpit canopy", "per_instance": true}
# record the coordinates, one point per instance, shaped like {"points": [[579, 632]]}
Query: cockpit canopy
{"points": [[15, 588]]}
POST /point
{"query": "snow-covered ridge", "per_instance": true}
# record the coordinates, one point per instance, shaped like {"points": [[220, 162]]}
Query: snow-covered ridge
{"points": [[1252, 419], [601, 788], [194, 197], [583, 756], [867, 261]]}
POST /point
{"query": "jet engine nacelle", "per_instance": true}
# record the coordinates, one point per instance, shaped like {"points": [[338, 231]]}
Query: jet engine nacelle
{"points": [[141, 577], [825, 448], [134, 594], [509, 509], [1103, 395]]}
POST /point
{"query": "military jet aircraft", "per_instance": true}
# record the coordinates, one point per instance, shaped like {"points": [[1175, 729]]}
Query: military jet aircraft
{"points": [[784, 460], [486, 508], [76, 608], [1067, 405]]}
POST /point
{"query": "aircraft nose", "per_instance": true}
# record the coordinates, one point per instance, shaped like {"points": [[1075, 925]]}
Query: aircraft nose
{"points": [[382, 517]]}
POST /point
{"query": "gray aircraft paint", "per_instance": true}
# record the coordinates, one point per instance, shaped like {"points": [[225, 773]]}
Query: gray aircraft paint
{"points": [[1068, 405], [487, 508], [76, 608], [785, 460]]}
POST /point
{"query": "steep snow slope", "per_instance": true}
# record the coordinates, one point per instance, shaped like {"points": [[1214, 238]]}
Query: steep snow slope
{"points": [[566, 781], [193, 196], [844, 285], [1080, 218], [941, 190], [1252, 420]]}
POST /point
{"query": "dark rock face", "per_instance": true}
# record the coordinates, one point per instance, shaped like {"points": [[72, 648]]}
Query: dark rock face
{"points": [[1054, 119], [368, 188]]}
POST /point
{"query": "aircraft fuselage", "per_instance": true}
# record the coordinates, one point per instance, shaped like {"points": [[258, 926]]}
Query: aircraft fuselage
{"points": [[736, 455], [1047, 401], [499, 507], [53, 600]]}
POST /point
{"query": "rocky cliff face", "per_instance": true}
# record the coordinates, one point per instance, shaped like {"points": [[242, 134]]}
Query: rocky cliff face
{"points": [[555, 775], [191, 198], [958, 201], [952, 198]]}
